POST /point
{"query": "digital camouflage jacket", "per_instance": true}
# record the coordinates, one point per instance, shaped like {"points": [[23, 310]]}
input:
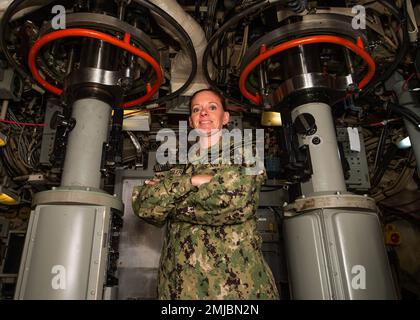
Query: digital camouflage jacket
{"points": [[211, 249]]}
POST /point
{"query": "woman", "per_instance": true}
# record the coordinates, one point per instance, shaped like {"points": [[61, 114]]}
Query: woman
{"points": [[212, 249]]}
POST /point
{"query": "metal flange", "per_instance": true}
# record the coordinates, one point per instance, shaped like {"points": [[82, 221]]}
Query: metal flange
{"points": [[330, 201], [77, 196], [311, 81]]}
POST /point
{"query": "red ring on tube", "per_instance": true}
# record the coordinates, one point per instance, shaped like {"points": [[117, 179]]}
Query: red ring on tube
{"points": [[265, 54], [79, 32]]}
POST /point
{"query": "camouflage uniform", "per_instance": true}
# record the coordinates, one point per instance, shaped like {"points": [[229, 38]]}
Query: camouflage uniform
{"points": [[212, 249]]}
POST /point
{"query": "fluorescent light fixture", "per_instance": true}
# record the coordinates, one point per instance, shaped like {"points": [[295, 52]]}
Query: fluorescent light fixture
{"points": [[3, 139], [404, 143], [272, 119], [8, 197]]}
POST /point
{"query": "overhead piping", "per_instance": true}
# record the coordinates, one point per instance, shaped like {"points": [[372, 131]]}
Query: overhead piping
{"points": [[181, 65]]}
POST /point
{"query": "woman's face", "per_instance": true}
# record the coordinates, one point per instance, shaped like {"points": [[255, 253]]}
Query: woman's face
{"points": [[207, 112]]}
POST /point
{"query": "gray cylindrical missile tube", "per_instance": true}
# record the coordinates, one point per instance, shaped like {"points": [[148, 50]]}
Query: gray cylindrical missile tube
{"points": [[84, 150]]}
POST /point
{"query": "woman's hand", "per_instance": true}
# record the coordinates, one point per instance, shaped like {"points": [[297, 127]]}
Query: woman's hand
{"points": [[196, 180], [152, 181], [200, 179]]}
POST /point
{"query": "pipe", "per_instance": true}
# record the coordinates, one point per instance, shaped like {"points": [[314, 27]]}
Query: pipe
{"points": [[3, 6], [4, 109], [409, 100], [181, 65]]}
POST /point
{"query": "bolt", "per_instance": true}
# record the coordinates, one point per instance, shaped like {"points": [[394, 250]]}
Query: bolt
{"points": [[352, 87], [316, 140], [311, 132], [125, 83]]}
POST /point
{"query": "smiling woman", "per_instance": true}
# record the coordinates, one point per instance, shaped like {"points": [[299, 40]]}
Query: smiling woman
{"points": [[208, 111], [212, 249], [208, 116]]}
